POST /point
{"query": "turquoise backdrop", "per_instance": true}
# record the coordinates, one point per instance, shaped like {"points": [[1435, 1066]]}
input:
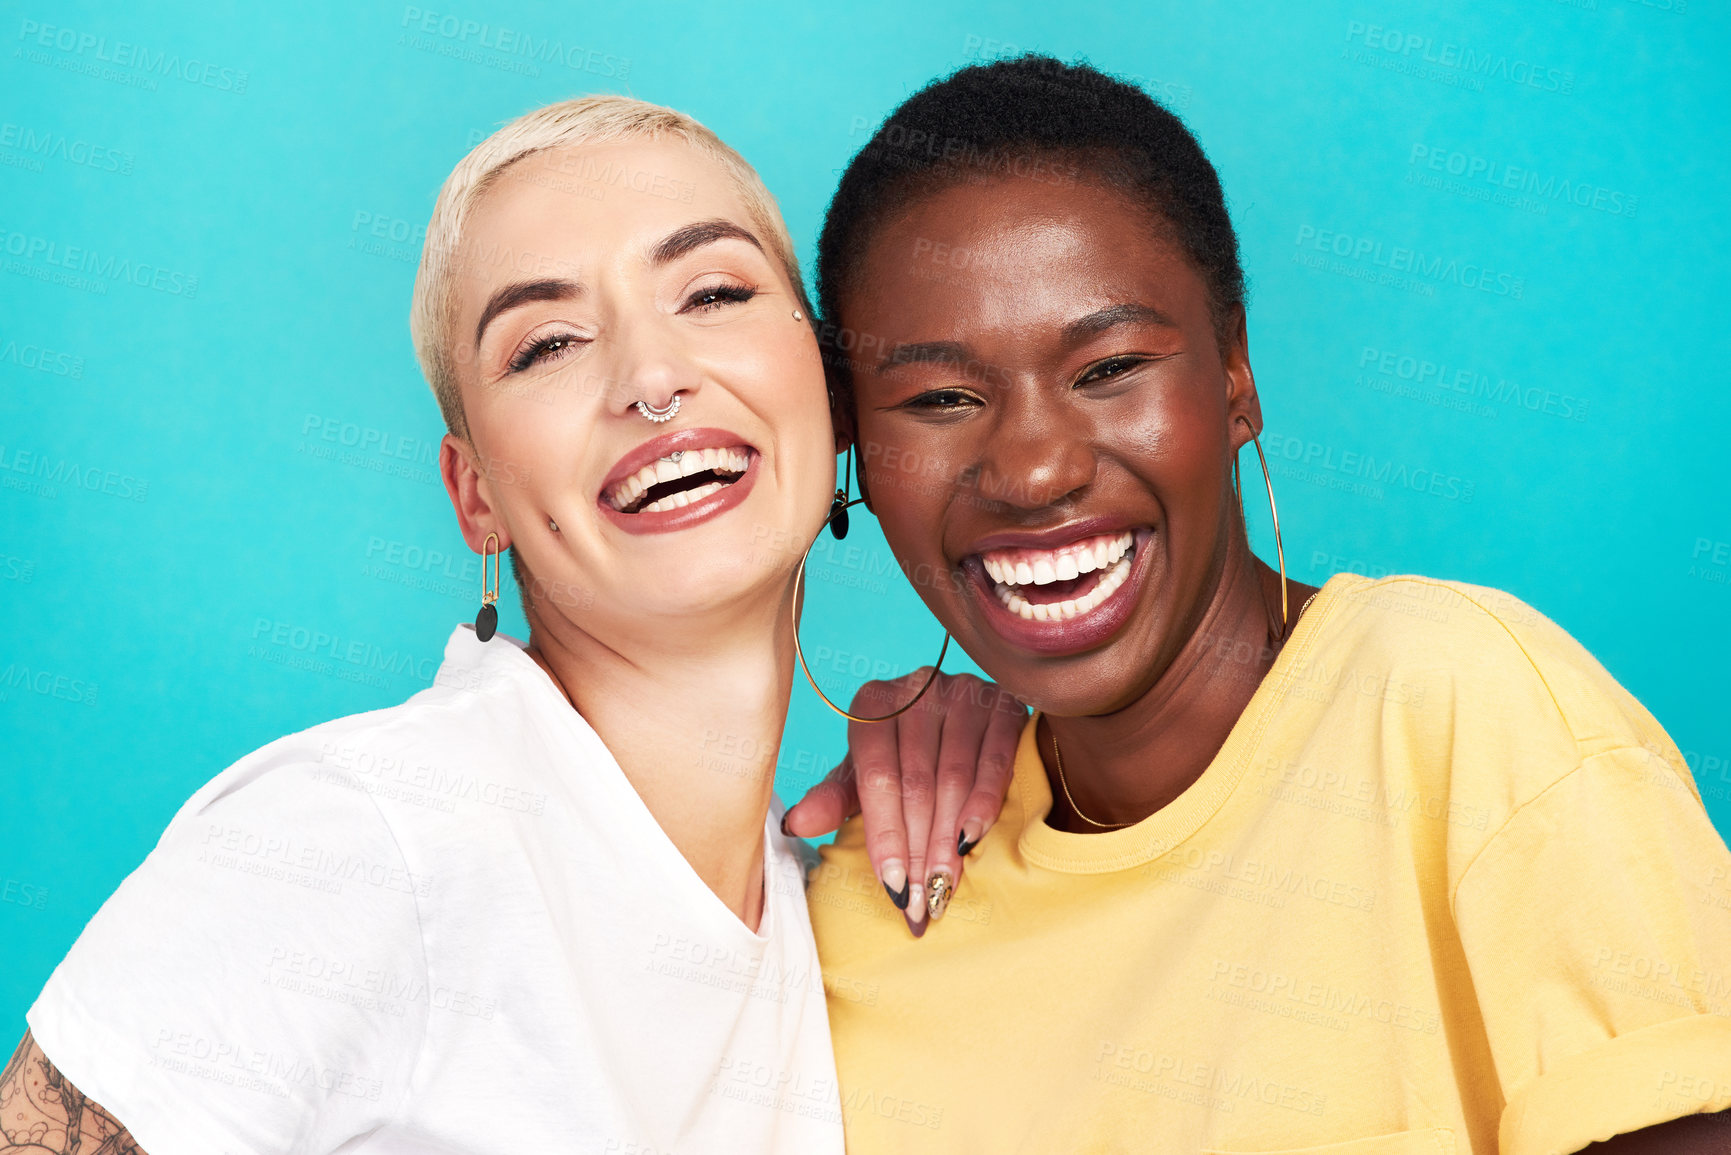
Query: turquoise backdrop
{"points": [[1484, 240]]}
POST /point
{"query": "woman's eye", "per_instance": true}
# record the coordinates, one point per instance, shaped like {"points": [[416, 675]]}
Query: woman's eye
{"points": [[550, 347], [943, 399], [1109, 368], [715, 296]]}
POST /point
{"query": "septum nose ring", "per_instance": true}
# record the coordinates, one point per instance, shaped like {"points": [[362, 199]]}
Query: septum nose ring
{"points": [[665, 413]]}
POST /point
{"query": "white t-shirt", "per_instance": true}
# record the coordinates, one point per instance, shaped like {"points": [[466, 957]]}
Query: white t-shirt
{"points": [[451, 925]]}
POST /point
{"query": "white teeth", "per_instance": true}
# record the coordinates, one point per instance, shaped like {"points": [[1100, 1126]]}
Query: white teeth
{"points": [[1025, 567], [685, 497], [677, 464], [1066, 610]]}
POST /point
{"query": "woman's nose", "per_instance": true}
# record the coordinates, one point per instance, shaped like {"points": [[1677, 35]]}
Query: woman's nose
{"points": [[1036, 457], [649, 366]]}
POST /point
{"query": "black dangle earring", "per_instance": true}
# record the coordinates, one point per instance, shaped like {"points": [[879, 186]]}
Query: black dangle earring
{"points": [[487, 621], [838, 508]]}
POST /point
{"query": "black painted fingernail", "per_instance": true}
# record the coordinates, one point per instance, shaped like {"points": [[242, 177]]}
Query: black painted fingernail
{"points": [[963, 845], [784, 830], [899, 897]]}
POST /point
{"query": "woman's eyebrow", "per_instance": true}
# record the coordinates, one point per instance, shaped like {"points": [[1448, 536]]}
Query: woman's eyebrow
{"points": [[694, 236], [1101, 320], [924, 353], [521, 293]]}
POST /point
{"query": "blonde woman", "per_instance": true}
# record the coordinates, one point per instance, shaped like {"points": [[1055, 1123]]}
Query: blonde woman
{"points": [[601, 942]]}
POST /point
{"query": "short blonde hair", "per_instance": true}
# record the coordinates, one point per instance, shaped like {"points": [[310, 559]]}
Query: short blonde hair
{"points": [[586, 120]]}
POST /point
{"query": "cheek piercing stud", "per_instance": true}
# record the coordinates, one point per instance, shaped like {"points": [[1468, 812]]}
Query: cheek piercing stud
{"points": [[798, 316], [552, 525]]}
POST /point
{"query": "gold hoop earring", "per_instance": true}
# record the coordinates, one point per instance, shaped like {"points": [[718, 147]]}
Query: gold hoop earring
{"points": [[487, 621], [1274, 515], [798, 584]]}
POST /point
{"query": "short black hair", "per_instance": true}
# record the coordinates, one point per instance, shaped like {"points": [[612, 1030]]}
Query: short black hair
{"points": [[1031, 114]]}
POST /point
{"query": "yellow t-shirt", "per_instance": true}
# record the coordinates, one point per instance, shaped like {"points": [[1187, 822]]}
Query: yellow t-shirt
{"points": [[1447, 887]]}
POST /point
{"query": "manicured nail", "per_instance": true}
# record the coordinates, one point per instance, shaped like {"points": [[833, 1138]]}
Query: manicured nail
{"points": [[916, 903], [939, 889], [895, 880], [968, 838], [785, 831]]}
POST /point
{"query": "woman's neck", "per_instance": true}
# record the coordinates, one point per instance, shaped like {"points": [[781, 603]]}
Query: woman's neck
{"points": [[693, 714], [1123, 766]]}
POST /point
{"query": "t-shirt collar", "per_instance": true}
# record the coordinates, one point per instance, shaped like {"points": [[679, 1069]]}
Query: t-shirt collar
{"points": [[1172, 824]]}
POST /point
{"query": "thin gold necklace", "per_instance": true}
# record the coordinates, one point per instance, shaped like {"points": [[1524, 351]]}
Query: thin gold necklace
{"points": [[1058, 757]]}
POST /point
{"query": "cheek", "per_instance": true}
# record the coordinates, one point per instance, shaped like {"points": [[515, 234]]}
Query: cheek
{"points": [[1177, 447], [532, 451], [911, 481]]}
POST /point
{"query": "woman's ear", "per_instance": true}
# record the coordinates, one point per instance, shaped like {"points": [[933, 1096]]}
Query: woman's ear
{"points": [[467, 486], [840, 386], [842, 414], [1243, 403]]}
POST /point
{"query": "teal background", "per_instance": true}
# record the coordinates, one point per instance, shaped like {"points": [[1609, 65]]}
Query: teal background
{"points": [[169, 501]]}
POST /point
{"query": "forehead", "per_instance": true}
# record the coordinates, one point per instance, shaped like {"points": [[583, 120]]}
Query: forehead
{"points": [[564, 212], [1036, 245]]}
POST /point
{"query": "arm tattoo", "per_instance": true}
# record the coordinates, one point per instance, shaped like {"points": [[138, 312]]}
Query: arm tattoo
{"points": [[42, 1113]]}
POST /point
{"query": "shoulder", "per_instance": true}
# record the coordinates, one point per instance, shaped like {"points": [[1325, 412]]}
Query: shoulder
{"points": [[390, 776], [309, 780], [1459, 646], [841, 887]]}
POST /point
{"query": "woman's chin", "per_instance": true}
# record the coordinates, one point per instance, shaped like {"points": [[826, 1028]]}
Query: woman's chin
{"points": [[709, 586]]}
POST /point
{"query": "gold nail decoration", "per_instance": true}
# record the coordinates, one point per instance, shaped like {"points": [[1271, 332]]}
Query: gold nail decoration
{"points": [[939, 896]]}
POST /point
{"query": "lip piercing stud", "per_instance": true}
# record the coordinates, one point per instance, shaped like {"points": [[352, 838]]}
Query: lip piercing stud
{"points": [[552, 525], [665, 413]]}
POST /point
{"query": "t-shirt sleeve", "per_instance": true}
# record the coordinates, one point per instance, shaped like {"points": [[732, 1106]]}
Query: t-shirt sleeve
{"points": [[258, 983], [1597, 929]]}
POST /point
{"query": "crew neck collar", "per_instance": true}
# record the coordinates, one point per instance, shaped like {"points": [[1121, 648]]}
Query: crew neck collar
{"points": [[1175, 822]]}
